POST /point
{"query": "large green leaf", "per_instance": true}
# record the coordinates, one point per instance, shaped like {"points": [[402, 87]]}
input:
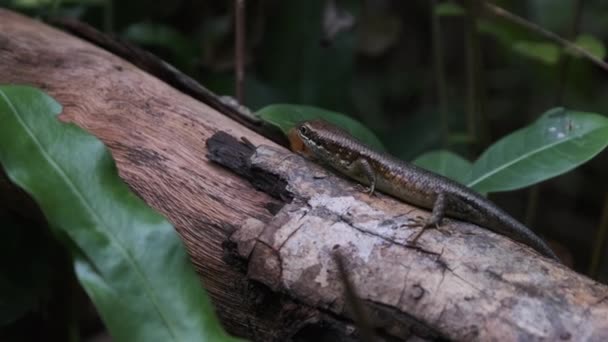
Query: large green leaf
{"points": [[286, 116], [557, 142], [128, 257], [447, 164]]}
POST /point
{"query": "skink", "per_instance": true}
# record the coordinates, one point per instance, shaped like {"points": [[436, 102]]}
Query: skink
{"points": [[319, 140]]}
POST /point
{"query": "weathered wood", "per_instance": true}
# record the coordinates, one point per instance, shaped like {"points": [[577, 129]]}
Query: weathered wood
{"points": [[151, 64], [464, 284]]}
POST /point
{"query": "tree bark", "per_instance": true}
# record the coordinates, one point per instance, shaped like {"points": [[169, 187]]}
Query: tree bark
{"points": [[264, 228]]}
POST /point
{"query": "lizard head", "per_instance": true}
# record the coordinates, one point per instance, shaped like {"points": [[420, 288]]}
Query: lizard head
{"points": [[315, 138], [300, 139]]}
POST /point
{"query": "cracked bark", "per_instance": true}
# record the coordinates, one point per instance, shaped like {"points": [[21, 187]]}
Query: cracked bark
{"points": [[465, 283], [265, 256]]}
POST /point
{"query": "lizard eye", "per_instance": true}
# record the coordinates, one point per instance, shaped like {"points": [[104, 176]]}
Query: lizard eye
{"points": [[303, 130]]}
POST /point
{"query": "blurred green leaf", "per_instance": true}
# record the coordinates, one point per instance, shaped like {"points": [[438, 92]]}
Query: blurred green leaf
{"points": [[521, 42], [460, 138], [295, 60], [149, 34], [449, 9], [505, 32], [445, 163], [419, 133], [557, 142], [545, 52], [591, 44], [128, 258], [286, 116]]}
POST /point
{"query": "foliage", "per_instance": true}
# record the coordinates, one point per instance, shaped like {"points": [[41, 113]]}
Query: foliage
{"points": [[556, 143], [447, 164], [127, 257]]}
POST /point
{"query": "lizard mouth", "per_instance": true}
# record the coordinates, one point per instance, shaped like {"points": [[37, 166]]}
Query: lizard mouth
{"points": [[297, 144]]}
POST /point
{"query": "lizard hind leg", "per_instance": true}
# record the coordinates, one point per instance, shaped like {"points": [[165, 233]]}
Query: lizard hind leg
{"points": [[434, 220]]}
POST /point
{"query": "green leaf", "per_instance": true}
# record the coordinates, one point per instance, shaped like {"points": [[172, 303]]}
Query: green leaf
{"points": [[184, 51], [146, 33], [294, 60], [128, 258], [449, 9], [286, 116], [591, 44], [447, 164], [547, 53], [557, 142], [420, 127], [503, 33]]}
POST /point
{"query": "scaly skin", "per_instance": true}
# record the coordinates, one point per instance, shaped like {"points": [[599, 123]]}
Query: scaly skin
{"points": [[332, 146]]}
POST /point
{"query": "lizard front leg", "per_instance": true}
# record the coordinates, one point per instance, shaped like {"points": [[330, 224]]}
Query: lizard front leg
{"points": [[362, 167], [435, 219]]}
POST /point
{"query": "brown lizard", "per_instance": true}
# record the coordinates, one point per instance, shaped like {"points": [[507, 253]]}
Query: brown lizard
{"points": [[333, 146]]}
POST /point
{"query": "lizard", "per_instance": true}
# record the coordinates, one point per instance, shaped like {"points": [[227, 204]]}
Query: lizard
{"points": [[321, 141]]}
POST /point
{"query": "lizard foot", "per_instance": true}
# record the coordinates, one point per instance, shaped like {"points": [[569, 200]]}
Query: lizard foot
{"points": [[423, 224], [367, 189]]}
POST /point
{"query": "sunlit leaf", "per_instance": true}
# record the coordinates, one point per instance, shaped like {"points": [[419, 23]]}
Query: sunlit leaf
{"points": [[449, 9], [591, 44], [545, 52], [557, 142]]}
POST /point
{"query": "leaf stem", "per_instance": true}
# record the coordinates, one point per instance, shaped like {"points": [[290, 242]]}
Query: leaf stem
{"points": [[500, 12], [470, 66], [440, 74], [532, 207], [600, 240], [108, 16], [476, 121], [534, 194], [564, 62], [239, 48], [353, 302]]}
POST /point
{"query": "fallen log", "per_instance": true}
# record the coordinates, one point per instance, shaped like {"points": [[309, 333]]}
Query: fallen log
{"points": [[262, 225]]}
